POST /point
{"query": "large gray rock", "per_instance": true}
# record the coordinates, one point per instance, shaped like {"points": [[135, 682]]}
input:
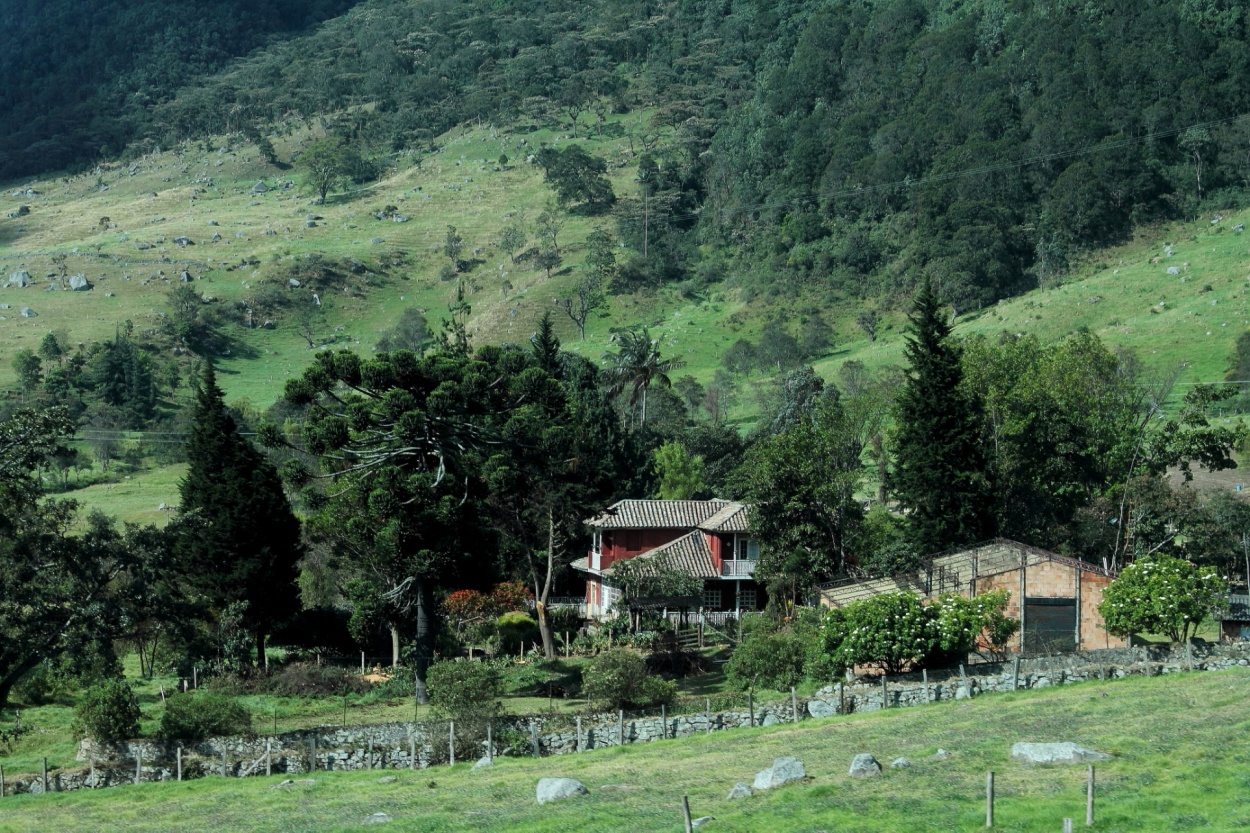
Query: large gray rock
{"points": [[260, 187], [741, 790], [864, 765], [821, 708], [783, 771], [483, 762], [27, 312], [20, 278], [79, 283], [1055, 753], [554, 789]]}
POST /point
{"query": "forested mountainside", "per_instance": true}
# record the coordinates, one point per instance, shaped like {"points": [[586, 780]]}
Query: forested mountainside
{"points": [[850, 144], [81, 78]]}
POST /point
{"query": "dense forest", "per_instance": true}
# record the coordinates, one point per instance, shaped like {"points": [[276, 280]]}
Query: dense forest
{"points": [[846, 147]]}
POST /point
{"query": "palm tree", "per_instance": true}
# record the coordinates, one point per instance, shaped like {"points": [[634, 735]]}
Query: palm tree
{"points": [[636, 366]]}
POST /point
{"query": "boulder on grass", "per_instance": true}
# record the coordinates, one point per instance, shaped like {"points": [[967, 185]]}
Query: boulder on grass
{"points": [[864, 765], [1055, 753], [554, 789], [741, 790], [783, 771], [79, 283]]}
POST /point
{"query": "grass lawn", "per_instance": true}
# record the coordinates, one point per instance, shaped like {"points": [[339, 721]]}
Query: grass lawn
{"points": [[1177, 767]]}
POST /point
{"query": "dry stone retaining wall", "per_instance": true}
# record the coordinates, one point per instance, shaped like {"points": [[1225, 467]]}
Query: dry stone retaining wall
{"points": [[394, 745]]}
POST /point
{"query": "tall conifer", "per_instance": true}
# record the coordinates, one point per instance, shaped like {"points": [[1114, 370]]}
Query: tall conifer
{"points": [[237, 538], [940, 471]]}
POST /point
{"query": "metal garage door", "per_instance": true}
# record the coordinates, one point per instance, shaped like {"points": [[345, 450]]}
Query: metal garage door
{"points": [[1049, 625]]}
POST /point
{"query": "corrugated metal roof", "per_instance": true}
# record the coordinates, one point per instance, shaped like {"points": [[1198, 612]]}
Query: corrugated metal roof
{"points": [[689, 554], [1238, 609], [658, 514]]}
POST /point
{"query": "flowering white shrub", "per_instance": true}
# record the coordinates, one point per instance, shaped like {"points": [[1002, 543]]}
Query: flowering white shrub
{"points": [[1162, 594]]}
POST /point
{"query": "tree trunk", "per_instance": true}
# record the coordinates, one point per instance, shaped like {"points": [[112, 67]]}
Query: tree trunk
{"points": [[394, 647], [15, 673], [544, 627], [260, 648], [424, 648]]}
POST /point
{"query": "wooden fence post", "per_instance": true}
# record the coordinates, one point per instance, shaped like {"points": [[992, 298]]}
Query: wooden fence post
{"points": [[1015, 675], [924, 675], [885, 692], [577, 744], [989, 799], [751, 707], [412, 749], [1189, 656], [685, 812], [1067, 826], [1, 782], [451, 743], [178, 758], [538, 753], [224, 762], [620, 728], [490, 743], [663, 722], [963, 679], [313, 764], [268, 756], [45, 775], [1089, 798], [794, 706], [138, 766], [707, 712], [369, 754], [841, 698]]}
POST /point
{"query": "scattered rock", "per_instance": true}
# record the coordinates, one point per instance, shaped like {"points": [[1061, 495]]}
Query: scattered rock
{"points": [[483, 762], [310, 224], [1239, 227], [27, 312], [1055, 753], [821, 708], [377, 240], [963, 693], [900, 763], [387, 779], [399, 218], [555, 789], [741, 790], [702, 820], [293, 283], [183, 242], [260, 187], [20, 278], [79, 283], [864, 765], [941, 755], [1174, 270], [377, 818], [783, 771]]}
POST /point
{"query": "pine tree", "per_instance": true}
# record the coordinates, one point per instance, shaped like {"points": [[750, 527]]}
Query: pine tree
{"points": [[237, 538], [940, 471]]}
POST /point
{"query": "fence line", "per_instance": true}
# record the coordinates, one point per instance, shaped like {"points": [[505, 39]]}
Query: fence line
{"points": [[419, 745]]}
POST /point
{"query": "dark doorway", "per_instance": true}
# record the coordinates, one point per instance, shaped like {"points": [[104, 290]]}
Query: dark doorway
{"points": [[1049, 625]]}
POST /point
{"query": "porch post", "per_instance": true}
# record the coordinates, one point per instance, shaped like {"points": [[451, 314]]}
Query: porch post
{"points": [[738, 599]]}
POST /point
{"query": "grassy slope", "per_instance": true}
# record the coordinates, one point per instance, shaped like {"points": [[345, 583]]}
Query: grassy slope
{"points": [[169, 196], [1174, 769]]}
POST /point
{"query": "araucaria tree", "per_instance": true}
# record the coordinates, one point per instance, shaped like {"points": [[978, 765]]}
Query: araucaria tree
{"points": [[940, 469], [236, 538]]}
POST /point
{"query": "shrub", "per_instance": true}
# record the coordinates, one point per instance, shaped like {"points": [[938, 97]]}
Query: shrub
{"points": [[897, 631], [1162, 594], [198, 715], [618, 679], [109, 712], [463, 691], [767, 660], [298, 679], [515, 630]]}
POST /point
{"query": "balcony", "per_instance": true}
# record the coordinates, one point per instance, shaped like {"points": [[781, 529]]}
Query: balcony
{"points": [[737, 568]]}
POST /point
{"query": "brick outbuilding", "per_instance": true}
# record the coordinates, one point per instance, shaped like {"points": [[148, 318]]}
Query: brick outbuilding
{"points": [[1060, 595]]}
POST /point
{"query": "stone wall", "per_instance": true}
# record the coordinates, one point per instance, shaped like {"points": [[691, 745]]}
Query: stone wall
{"points": [[420, 745]]}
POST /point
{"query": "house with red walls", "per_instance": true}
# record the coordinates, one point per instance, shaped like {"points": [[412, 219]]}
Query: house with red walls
{"points": [[710, 539]]}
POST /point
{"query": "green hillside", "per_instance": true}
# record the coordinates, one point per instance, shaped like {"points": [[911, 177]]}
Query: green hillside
{"points": [[1174, 769]]}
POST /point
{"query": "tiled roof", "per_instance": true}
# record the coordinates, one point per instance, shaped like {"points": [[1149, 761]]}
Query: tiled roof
{"points": [[689, 554], [733, 517], [659, 514], [582, 564]]}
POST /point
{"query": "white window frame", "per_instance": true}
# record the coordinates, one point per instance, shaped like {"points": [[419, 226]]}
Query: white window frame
{"points": [[705, 597], [745, 594]]}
